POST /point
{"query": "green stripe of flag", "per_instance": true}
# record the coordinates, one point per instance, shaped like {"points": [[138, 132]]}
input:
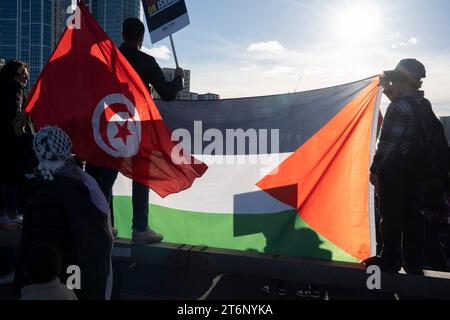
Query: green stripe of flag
{"points": [[282, 233]]}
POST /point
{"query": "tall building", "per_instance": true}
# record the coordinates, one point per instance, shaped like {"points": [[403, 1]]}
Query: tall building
{"points": [[30, 29], [62, 14], [26, 32], [110, 14], [60, 18]]}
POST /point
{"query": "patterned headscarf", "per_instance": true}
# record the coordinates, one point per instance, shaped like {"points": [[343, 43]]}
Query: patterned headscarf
{"points": [[53, 149]]}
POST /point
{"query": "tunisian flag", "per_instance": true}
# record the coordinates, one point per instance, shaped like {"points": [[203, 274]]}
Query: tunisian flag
{"points": [[89, 90]]}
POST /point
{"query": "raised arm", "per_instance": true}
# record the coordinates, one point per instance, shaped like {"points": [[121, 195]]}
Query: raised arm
{"points": [[167, 90]]}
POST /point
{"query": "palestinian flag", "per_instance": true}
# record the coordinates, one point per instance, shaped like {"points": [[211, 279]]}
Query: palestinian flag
{"points": [[288, 174]]}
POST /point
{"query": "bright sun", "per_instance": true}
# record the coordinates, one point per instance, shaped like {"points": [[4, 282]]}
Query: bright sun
{"points": [[358, 22]]}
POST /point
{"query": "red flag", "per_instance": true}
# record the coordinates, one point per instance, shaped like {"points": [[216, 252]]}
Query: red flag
{"points": [[89, 89]]}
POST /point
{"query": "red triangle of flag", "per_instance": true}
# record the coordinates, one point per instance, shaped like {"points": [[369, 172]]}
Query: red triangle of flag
{"points": [[327, 178]]}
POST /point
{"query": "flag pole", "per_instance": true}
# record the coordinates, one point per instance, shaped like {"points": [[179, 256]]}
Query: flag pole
{"points": [[174, 52]]}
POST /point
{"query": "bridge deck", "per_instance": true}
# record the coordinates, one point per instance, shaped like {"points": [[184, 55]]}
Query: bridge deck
{"points": [[434, 285]]}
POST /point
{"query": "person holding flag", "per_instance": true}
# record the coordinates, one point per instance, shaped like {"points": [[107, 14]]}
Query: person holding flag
{"points": [[99, 95], [412, 149], [150, 72]]}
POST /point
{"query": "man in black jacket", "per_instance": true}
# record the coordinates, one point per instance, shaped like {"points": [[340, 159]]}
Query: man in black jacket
{"points": [[152, 75]]}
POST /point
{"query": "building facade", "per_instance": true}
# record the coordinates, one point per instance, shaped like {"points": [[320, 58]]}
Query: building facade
{"points": [[30, 29], [62, 12], [26, 32], [110, 14], [208, 97]]}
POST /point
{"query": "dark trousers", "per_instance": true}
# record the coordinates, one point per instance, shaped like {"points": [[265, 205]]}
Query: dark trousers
{"points": [[8, 196], [434, 249], [402, 221], [106, 180]]}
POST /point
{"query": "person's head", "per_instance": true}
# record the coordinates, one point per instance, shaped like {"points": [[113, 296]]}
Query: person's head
{"points": [[406, 77], [53, 149], [17, 70], [42, 263], [133, 31]]}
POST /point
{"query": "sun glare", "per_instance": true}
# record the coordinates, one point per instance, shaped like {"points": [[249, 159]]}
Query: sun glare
{"points": [[358, 23]]}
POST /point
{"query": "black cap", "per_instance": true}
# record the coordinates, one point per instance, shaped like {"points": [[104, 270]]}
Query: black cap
{"points": [[409, 69]]}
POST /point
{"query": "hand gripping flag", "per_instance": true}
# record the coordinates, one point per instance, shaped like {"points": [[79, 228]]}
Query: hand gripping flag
{"points": [[90, 90]]}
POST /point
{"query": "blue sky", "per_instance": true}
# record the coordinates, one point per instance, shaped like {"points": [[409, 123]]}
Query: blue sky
{"points": [[241, 48]]}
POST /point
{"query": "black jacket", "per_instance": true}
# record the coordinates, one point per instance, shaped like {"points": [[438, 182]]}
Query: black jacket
{"points": [[61, 213], [11, 100], [151, 73]]}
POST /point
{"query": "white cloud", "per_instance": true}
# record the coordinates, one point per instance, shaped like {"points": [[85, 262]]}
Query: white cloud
{"points": [[160, 52], [314, 70], [341, 63], [249, 68], [413, 41], [278, 70], [273, 47], [398, 45], [395, 35], [399, 42]]}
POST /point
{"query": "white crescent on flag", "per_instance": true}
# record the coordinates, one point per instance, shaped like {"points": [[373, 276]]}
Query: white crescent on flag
{"points": [[123, 129]]}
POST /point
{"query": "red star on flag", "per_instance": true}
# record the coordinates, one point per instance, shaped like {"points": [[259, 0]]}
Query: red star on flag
{"points": [[122, 132]]}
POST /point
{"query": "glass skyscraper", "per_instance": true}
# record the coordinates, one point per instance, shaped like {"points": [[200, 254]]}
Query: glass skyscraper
{"points": [[26, 32], [60, 18], [30, 29], [111, 14]]}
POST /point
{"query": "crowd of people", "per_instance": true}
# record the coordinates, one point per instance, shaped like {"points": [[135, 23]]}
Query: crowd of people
{"points": [[66, 203]]}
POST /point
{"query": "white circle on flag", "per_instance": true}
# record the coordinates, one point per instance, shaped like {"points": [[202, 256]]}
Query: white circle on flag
{"points": [[123, 129]]}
